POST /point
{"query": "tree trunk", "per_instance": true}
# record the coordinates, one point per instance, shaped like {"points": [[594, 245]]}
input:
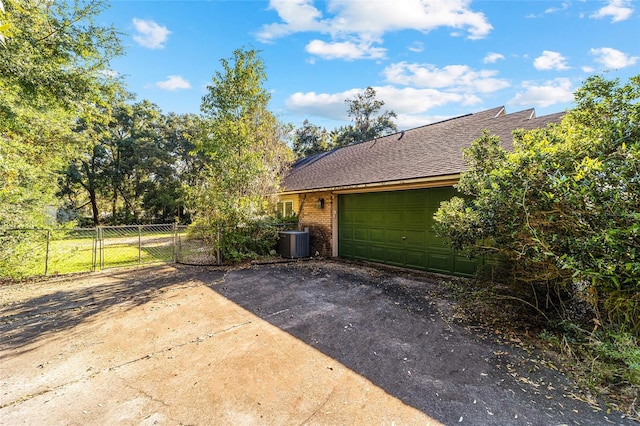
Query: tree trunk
{"points": [[94, 206]]}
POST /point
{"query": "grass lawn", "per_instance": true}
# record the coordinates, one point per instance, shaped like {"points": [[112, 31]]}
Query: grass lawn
{"points": [[79, 253]]}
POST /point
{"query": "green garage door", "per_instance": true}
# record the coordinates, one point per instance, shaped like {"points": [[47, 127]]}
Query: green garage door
{"points": [[396, 228]]}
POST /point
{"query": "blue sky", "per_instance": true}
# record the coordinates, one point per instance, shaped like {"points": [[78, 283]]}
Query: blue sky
{"points": [[427, 60]]}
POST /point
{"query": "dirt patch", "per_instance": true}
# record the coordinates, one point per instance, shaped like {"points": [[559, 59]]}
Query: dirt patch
{"points": [[294, 343]]}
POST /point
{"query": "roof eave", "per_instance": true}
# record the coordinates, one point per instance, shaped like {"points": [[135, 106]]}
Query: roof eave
{"points": [[426, 182]]}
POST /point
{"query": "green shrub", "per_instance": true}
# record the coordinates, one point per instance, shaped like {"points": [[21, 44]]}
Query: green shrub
{"points": [[564, 207]]}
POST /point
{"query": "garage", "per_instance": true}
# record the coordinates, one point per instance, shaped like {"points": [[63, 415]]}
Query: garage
{"points": [[375, 200], [395, 228]]}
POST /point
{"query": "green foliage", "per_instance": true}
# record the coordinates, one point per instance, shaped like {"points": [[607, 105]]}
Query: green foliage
{"points": [[51, 71], [134, 164], [369, 123], [22, 253], [605, 362], [310, 139], [563, 207], [249, 241], [245, 154], [52, 61]]}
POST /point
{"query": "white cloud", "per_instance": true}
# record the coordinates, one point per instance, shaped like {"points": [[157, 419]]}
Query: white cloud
{"points": [[345, 50], [410, 104], [411, 121], [619, 10], [550, 93], [563, 6], [492, 58], [550, 10], [612, 58], [297, 16], [369, 21], [416, 47], [409, 100], [174, 82], [327, 105], [550, 61], [452, 77], [149, 34]]}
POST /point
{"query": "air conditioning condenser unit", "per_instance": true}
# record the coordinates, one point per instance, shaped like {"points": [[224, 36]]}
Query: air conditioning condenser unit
{"points": [[293, 244]]}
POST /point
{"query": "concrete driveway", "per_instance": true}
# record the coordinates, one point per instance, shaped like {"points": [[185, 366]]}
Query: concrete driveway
{"points": [[284, 344]]}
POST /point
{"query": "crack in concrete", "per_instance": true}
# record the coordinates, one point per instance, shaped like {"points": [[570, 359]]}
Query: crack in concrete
{"points": [[116, 367], [312, 415], [170, 348]]}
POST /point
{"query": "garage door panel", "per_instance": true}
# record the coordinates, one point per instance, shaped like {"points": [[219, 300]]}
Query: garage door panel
{"points": [[414, 218], [377, 217], [415, 200], [346, 216], [394, 256], [428, 216], [435, 241], [376, 254], [345, 233], [437, 195], [360, 251], [394, 219], [439, 262], [377, 235], [360, 217], [361, 234], [393, 198], [415, 238], [397, 228], [394, 236], [416, 259], [465, 265]]}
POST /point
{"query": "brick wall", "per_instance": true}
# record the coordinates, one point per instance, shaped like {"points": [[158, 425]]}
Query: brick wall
{"points": [[318, 221]]}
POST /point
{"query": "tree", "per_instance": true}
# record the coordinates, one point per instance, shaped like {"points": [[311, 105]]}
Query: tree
{"points": [[51, 72], [311, 139], [52, 61], [245, 152], [369, 123], [563, 207], [165, 196], [135, 161]]}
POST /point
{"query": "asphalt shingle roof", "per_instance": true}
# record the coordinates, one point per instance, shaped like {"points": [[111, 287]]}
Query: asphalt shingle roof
{"points": [[428, 151]]}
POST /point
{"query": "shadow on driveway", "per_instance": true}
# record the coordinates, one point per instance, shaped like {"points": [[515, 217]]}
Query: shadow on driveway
{"points": [[27, 321], [389, 328]]}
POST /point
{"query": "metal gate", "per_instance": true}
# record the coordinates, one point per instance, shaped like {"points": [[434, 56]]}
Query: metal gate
{"points": [[35, 252]]}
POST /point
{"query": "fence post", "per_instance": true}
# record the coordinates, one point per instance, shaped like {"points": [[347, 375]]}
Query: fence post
{"points": [[139, 244], [218, 255], [46, 256], [94, 260], [174, 248], [101, 243]]}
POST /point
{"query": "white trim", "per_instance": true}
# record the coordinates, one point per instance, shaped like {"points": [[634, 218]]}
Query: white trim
{"points": [[334, 225], [429, 182]]}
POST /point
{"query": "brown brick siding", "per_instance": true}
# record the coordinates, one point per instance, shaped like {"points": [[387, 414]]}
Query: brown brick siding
{"points": [[318, 221]]}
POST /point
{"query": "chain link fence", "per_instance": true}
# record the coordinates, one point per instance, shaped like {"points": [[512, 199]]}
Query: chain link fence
{"points": [[37, 252], [40, 252]]}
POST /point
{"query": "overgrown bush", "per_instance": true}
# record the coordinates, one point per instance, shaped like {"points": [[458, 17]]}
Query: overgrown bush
{"points": [[604, 362], [236, 243], [244, 155], [564, 207], [22, 253]]}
